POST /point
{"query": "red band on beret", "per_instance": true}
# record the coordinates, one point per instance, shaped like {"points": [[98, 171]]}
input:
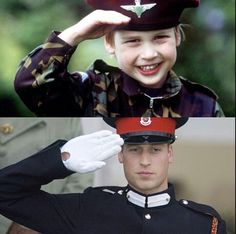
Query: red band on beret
{"points": [[133, 124]]}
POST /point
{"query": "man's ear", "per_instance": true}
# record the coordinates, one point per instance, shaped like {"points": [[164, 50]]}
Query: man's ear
{"points": [[120, 157], [170, 154], [109, 43]]}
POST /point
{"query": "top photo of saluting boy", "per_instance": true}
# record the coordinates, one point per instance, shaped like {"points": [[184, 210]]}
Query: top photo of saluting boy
{"points": [[143, 36]]}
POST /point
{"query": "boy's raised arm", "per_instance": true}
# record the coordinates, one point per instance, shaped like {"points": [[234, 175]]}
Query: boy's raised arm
{"points": [[43, 81], [93, 26]]}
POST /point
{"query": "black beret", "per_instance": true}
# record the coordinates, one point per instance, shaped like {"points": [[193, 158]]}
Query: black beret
{"points": [[147, 14], [140, 130]]}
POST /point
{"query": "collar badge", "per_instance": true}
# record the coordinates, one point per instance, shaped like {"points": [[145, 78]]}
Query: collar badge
{"points": [[145, 121], [6, 129], [138, 8]]}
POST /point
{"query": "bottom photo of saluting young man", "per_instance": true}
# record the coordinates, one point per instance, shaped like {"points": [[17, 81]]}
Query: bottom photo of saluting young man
{"points": [[151, 168]]}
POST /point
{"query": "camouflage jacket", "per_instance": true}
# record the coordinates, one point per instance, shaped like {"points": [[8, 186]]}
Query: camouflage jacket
{"points": [[48, 89]]}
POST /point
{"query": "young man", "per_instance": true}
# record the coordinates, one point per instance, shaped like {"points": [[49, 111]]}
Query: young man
{"points": [[143, 37], [146, 205]]}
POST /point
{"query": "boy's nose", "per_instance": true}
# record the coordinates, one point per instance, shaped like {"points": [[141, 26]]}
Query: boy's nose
{"points": [[149, 52]]}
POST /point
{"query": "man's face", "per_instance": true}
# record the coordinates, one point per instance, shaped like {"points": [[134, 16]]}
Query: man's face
{"points": [[146, 166], [146, 56]]}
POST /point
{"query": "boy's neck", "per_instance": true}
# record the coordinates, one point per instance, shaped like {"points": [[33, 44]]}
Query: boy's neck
{"points": [[152, 92]]}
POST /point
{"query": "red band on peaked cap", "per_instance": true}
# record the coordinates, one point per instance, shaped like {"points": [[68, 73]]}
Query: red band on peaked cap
{"points": [[165, 14], [134, 124]]}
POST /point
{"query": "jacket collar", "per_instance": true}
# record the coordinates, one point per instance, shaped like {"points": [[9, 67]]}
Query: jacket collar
{"points": [[171, 87], [150, 201]]}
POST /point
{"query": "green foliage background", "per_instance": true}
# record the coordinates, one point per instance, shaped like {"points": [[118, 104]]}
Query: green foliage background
{"points": [[207, 56]]}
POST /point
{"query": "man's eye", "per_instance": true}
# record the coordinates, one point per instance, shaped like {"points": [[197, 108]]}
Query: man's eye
{"points": [[156, 150], [133, 149]]}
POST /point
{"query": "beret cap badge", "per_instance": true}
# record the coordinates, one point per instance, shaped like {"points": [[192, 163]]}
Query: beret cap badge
{"points": [[146, 15], [138, 8]]}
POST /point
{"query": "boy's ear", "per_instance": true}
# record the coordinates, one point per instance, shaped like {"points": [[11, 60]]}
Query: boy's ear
{"points": [[178, 36], [109, 44]]}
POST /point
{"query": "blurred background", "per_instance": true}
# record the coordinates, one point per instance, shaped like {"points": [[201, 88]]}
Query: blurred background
{"points": [[207, 56], [204, 164]]}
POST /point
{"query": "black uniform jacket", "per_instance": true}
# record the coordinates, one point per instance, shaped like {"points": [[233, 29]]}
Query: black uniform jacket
{"points": [[103, 210]]}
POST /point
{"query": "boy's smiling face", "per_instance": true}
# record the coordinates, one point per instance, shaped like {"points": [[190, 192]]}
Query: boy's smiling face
{"points": [[146, 56]]}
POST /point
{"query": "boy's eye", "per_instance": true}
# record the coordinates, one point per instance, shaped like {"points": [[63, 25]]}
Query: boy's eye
{"points": [[161, 37], [132, 41]]}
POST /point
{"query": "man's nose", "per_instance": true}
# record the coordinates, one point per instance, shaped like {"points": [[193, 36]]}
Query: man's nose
{"points": [[145, 159]]}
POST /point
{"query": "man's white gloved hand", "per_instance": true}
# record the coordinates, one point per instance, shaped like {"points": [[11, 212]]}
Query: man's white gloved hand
{"points": [[87, 153]]}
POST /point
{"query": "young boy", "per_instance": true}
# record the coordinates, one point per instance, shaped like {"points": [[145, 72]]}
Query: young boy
{"points": [[143, 37], [146, 205]]}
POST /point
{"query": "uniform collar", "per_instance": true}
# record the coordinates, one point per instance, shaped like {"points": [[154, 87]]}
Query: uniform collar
{"points": [[171, 87], [150, 201]]}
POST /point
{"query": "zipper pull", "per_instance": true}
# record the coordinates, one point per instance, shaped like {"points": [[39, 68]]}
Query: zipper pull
{"points": [[151, 103]]}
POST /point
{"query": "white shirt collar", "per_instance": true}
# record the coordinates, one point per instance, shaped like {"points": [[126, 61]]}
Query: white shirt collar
{"points": [[148, 201]]}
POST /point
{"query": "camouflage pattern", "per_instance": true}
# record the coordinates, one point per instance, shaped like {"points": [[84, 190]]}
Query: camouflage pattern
{"points": [[48, 89]]}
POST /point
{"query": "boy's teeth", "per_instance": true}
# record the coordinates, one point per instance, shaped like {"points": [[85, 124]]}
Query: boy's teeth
{"points": [[147, 68]]}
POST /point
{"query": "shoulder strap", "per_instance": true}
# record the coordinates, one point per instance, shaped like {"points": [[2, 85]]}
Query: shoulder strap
{"points": [[101, 67], [206, 210], [110, 189]]}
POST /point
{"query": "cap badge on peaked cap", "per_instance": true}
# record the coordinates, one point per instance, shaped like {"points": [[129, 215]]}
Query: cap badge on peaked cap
{"points": [[138, 8], [145, 121]]}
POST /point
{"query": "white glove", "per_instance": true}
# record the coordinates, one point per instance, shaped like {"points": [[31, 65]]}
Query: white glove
{"points": [[87, 153]]}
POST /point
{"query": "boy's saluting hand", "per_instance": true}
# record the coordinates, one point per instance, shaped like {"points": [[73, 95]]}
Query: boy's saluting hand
{"points": [[95, 25]]}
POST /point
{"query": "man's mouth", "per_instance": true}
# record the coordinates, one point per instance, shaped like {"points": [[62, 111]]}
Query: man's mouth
{"points": [[145, 173]]}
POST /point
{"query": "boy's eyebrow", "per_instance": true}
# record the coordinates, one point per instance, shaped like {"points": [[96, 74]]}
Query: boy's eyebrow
{"points": [[130, 35]]}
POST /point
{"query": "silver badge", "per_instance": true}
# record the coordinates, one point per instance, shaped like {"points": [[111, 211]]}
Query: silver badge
{"points": [[138, 8], [145, 121]]}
